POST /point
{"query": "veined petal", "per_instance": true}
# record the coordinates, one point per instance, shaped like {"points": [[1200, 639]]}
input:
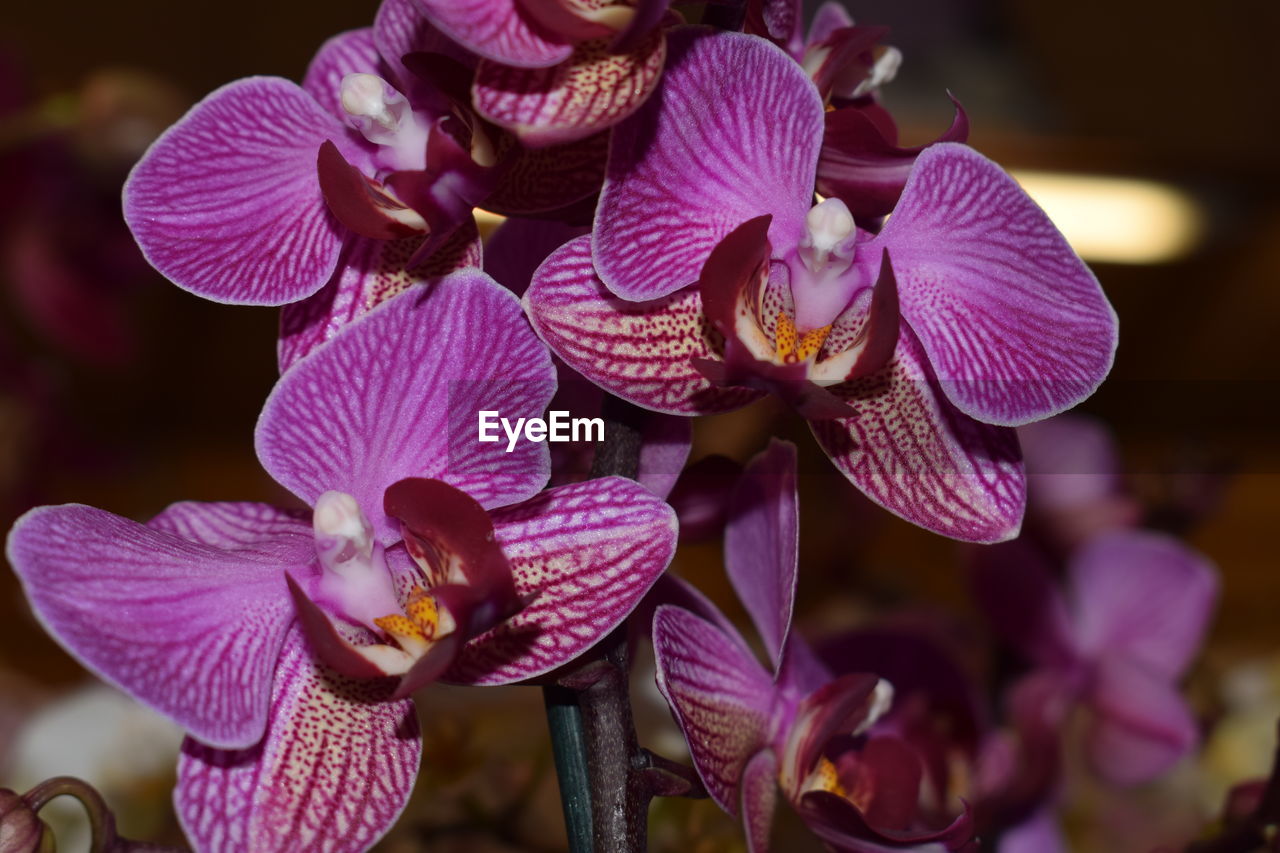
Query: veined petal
{"points": [[592, 90], [280, 534], [912, 452], [638, 351], [398, 393], [226, 204], [400, 27], [1141, 725], [761, 543], [583, 555], [759, 797], [1143, 596], [352, 52], [497, 30], [719, 694], [369, 273], [332, 774], [1014, 324], [705, 154], [188, 628]]}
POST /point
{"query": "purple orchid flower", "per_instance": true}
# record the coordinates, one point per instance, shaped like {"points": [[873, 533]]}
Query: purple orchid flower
{"points": [[427, 555], [752, 730], [911, 351], [1116, 640], [266, 190], [554, 71]]}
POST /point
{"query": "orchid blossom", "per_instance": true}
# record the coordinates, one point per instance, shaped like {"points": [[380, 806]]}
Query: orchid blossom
{"points": [[1116, 640], [554, 71], [287, 643], [793, 726], [267, 190], [708, 282]]}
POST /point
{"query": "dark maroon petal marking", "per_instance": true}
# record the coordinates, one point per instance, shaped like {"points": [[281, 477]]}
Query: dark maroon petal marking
{"points": [[355, 202]]}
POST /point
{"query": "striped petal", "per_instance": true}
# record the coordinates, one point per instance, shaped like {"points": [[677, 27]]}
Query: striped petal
{"points": [[369, 273], [912, 452], [585, 554], [759, 797], [638, 351], [254, 528], [226, 204], [497, 30], [592, 90], [400, 27], [720, 695], [1014, 324], [188, 628], [548, 180], [398, 393], [761, 543], [332, 774], [708, 152]]}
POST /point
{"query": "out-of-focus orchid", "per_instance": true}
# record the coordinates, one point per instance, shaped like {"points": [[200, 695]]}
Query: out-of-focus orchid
{"points": [[427, 555], [705, 285], [554, 71], [266, 190], [1115, 641], [793, 726]]}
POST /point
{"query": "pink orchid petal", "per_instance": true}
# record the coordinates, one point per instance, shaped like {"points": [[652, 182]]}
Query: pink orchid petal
{"points": [[912, 452], [352, 52], [497, 30], [665, 206], [369, 273], [1141, 725], [226, 203], [584, 555], [721, 697], [761, 543], [665, 443], [400, 27], [831, 16], [188, 628], [252, 528], [1014, 324], [332, 774], [398, 393], [1142, 595], [638, 351], [759, 798], [1072, 462], [594, 89]]}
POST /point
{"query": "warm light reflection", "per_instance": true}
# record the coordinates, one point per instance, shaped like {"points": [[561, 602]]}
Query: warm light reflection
{"points": [[1117, 220]]}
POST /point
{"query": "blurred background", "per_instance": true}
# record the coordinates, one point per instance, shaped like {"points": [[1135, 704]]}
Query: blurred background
{"points": [[1147, 129]]}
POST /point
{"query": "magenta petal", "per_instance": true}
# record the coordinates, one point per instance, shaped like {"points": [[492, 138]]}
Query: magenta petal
{"points": [[706, 153], [640, 352], [398, 393], [252, 528], [369, 273], [583, 555], [592, 90], [188, 628], [841, 705], [400, 27], [1014, 324], [759, 797], [226, 203], [831, 16], [332, 774], [1141, 725], [761, 543], [912, 452], [665, 442], [497, 30], [351, 52], [1142, 595], [719, 694]]}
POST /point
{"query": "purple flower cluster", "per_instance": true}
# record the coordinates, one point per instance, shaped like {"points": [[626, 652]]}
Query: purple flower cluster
{"points": [[697, 217]]}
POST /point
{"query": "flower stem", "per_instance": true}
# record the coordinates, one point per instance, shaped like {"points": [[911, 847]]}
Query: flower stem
{"points": [[603, 790]]}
